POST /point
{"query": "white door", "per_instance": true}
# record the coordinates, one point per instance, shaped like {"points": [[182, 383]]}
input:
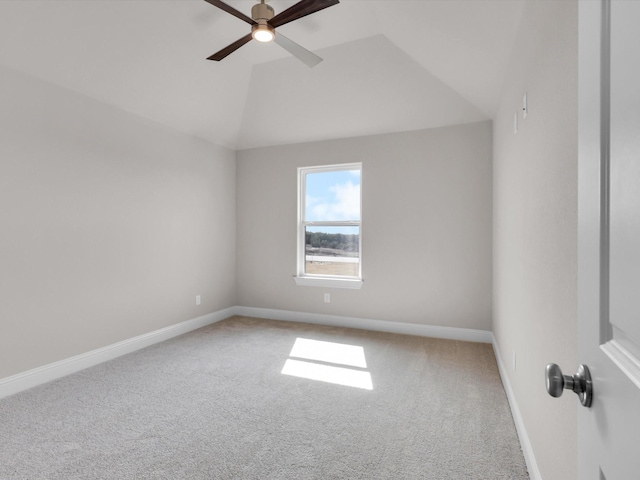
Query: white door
{"points": [[609, 237]]}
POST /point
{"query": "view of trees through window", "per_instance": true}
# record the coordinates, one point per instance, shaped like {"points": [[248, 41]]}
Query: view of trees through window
{"points": [[333, 241]]}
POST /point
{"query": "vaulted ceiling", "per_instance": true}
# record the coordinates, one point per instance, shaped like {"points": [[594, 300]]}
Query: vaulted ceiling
{"points": [[389, 65]]}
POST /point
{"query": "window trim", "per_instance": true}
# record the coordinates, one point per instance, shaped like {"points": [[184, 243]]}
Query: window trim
{"points": [[315, 280]]}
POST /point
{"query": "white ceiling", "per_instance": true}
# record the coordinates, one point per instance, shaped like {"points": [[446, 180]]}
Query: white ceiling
{"points": [[389, 65]]}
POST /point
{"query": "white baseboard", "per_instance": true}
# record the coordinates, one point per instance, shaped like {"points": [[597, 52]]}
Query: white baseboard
{"points": [[465, 334], [527, 450], [53, 371]]}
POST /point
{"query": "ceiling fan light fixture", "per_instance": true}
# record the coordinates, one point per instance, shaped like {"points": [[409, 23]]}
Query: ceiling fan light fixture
{"points": [[263, 33]]}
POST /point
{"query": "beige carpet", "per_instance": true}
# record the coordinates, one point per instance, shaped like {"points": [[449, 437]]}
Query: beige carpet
{"points": [[214, 404]]}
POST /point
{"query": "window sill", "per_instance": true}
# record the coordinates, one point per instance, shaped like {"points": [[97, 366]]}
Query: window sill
{"points": [[329, 282]]}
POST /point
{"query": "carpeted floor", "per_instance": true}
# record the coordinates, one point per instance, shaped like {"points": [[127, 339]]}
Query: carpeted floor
{"points": [[213, 404]]}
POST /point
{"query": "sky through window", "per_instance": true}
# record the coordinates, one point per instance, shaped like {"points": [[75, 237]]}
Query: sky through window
{"points": [[333, 196]]}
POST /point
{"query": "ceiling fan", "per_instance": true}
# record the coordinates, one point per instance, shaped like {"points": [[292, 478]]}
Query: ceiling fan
{"points": [[264, 22]]}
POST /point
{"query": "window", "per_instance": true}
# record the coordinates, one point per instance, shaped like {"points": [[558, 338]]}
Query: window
{"points": [[329, 226]]}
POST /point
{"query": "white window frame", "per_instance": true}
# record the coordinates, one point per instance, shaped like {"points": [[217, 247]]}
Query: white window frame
{"points": [[315, 280]]}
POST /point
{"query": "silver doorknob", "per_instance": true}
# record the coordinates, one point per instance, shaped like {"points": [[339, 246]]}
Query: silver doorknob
{"points": [[580, 383]]}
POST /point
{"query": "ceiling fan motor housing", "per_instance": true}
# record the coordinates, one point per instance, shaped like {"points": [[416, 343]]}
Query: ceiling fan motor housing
{"points": [[262, 13]]}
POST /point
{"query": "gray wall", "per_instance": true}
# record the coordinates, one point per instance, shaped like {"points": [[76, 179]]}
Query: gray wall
{"points": [[535, 227], [426, 226], [109, 225]]}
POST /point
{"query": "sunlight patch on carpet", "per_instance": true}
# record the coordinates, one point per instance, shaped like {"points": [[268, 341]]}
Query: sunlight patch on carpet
{"points": [[330, 352], [315, 351]]}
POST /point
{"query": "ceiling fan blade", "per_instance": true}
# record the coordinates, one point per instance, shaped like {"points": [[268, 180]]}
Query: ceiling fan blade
{"points": [[230, 48], [305, 56], [299, 10], [231, 10]]}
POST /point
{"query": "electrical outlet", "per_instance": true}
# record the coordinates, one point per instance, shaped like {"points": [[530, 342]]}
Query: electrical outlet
{"points": [[198, 300], [327, 298], [514, 361]]}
